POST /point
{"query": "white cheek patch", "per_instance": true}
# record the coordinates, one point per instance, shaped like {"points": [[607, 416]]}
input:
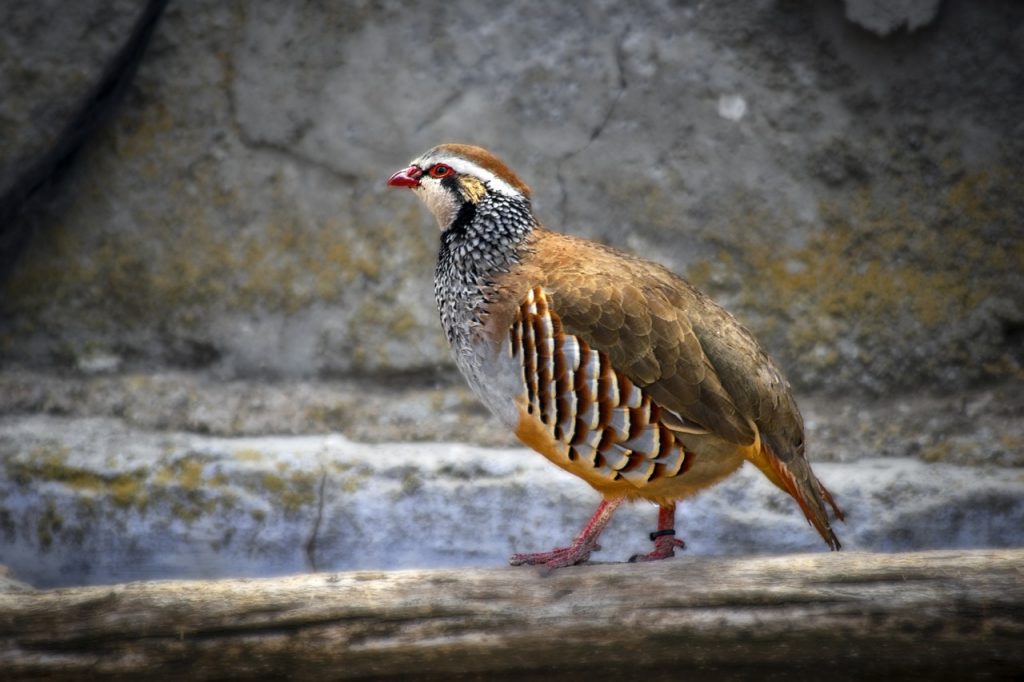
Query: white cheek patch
{"points": [[439, 201]]}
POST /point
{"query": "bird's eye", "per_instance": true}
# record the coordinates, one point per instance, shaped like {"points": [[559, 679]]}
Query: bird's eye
{"points": [[441, 171]]}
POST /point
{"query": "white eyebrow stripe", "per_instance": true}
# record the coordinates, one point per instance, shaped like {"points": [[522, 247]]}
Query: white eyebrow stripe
{"points": [[466, 167]]}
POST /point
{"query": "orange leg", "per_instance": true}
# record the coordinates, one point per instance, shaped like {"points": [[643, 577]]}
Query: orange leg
{"points": [[664, 538], [581, 547]]}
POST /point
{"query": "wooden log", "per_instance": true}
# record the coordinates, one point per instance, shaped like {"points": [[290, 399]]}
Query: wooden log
{"points": [[932, 615]]}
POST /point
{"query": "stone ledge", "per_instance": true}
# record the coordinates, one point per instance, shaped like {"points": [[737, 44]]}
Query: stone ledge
{"points": [[89, 501]]}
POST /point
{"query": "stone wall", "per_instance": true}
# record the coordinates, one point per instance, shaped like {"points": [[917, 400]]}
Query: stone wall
{"points": [[846, 178]]}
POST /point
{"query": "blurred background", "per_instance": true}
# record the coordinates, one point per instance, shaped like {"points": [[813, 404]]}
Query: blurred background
{"points": [[213, 311]]}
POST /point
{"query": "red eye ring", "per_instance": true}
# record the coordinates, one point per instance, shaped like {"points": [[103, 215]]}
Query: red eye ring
{"points": [[440, 170]]}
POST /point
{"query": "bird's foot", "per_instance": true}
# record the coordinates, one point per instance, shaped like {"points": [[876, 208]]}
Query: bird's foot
{"points": [[582, 546], [576, 553], [664, 547]]}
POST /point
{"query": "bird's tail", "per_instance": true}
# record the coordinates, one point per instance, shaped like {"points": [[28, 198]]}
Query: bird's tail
{"points": [[793, 474]]}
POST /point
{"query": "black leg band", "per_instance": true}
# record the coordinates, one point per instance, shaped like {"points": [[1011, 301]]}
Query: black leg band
{"points": [[659, 533]]}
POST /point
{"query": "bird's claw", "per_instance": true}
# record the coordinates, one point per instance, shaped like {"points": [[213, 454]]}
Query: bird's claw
{"points": [[664, 548], [576, 553]]}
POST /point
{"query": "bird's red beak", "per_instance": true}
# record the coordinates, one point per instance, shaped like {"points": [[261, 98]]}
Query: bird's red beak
{"points": [[407, 177]]}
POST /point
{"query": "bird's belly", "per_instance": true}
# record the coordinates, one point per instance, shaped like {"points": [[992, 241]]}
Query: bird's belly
{"points": [[705, 471], [662, 485]]}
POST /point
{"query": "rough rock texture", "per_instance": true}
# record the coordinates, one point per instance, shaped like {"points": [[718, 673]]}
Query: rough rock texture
{"points": [[978, 427], [51, 54], [91, 501], [885, 16], [857, 200]]}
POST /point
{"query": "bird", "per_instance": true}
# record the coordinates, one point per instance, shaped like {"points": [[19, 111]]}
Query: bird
{"points": [[611, 366]]}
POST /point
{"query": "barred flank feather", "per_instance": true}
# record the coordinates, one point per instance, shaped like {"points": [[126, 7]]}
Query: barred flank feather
{"points": [[607, 421]]}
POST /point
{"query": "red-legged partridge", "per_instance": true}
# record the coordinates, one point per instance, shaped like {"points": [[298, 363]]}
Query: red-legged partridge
{"points": [[612, 367]]}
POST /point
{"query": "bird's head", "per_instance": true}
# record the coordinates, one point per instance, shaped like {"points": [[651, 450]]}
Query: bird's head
{"points": [[453, 179]]}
